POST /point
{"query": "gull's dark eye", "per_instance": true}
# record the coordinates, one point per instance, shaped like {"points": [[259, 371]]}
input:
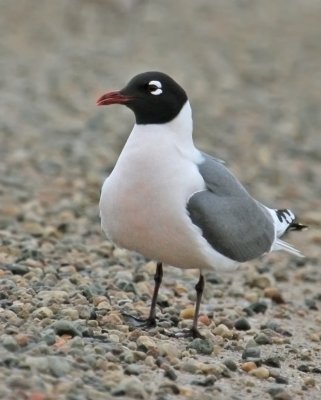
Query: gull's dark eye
{"points": [[152, 88], [155, 88]]}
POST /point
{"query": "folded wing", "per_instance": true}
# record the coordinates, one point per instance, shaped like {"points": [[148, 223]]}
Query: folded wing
{"points": [[231, 221]]}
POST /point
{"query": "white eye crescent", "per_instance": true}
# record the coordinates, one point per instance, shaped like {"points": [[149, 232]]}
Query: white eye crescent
{"points": [[155, 87]]}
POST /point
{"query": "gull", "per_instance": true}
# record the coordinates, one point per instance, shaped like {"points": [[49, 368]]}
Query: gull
{"points": [[175, 204]]}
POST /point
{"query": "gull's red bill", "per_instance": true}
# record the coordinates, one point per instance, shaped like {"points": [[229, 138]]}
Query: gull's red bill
{"points": [[115, 97]]}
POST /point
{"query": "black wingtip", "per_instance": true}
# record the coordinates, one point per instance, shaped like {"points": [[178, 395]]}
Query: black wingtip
{"points": [[295, 226]]}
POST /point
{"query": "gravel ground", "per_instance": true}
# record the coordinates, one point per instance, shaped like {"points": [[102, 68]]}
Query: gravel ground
{"points": [[252, 69]]}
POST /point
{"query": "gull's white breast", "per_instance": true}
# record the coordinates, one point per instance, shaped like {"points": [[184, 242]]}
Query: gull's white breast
{"points": [[143, 201]]}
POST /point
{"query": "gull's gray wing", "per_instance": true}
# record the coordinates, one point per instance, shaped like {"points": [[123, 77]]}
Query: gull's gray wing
{"points": [[231, 221]]}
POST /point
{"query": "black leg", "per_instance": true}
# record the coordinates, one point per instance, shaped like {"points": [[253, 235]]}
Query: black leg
{"points": [[199, 287], [150, 322], [194, 332], [158, 277]]}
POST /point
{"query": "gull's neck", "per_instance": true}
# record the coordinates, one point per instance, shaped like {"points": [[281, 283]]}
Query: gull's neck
{"points": [[178, 131]]}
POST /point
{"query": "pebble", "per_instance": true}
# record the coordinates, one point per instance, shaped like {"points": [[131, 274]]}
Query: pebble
{"points": [[275, 390], [223, 331], [274, 294], [311, 304], [256, 308], [169, 372], [315, 337], [251, 343], [104, 305], [242, 324], [57, 265], [191, 366], [281, 379], [261, 282], [248, 366], [53, 296], [169, 349], [230, 364], [69, 313], [63, 327], [132, 387], [17, 269], [204, 319], [251, 353], [283, 395], [59, 366], [260, 372], [309, 381], [169, 388], [133, 369], [205, 382], [49, 336], [262, 339], [43, 312], [272, 361], [202, 346], [9, 343], [187, 313], [145, 343], [303, 368]]}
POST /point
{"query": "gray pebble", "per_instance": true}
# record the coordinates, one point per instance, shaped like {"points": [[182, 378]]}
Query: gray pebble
{"points": [[311, 304], [169, 388], [257, 307], [132, 387], [274, 326], [49, 336], [208, 381], [278, 393], [9, 343], [262, 339], [17, 269], [53, 296], [169, 372], [59, 366], [242, 324], [64, 327], [251, 353], [272, 361], [274, 390], [251, 343], [39, 363], [230, 364], [133, 369], [202, 346], [43, 312], [281, 379]]}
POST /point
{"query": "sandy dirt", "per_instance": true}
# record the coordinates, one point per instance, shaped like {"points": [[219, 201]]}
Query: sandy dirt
{"points": [[252, 72]]}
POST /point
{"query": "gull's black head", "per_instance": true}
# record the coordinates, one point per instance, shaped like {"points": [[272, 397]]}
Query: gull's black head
{"points": [[154, 97]]}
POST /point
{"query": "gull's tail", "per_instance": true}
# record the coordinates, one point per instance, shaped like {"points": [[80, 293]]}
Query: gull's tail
{"points": [[285, 221]]}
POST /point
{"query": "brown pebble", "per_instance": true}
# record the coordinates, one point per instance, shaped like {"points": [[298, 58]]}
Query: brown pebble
{"points": [[315, 337], [204, 320], [261, 282], [111, 320], [187, 313], [309, 381], [223, 331], [260, 372], [99, 299], [274, 294], [22, 339], [248, 366]]}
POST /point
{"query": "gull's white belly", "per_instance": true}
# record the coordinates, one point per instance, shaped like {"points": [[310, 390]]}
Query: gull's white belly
{"points": [[143, 201], [143, 208]]}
